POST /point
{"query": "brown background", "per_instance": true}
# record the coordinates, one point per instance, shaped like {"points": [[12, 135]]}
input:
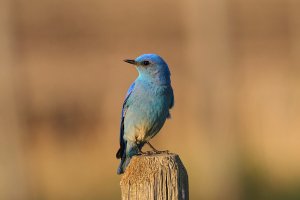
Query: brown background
{"points": [[236, 77]]}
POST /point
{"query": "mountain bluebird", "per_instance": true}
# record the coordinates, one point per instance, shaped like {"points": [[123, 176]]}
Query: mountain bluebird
{"points": [[146, 107]]}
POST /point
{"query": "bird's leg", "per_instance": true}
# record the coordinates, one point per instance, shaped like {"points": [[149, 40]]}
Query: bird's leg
{"points": [[140, 152], [155, 150]]}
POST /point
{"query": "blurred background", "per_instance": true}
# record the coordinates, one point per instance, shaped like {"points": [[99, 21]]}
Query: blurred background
{"points": [[235, 74]]}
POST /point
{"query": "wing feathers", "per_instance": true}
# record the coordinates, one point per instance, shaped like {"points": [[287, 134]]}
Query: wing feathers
{"points": [[124, 108]]}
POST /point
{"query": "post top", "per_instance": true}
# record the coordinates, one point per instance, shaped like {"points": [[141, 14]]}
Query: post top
{"points": [[146, 166], [155, 176]]}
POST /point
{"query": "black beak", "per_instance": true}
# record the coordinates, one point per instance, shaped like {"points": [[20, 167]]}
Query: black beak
{"points": [[133, 62]]}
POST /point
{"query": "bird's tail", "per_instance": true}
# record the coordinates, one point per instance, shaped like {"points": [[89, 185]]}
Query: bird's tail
{"points": [[129, 150], [124, 161], [120, 152], [123, 164]]}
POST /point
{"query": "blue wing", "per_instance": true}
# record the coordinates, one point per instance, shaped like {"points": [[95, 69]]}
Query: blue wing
{"points": [[172, 99], [171, 103], [124, 108]]}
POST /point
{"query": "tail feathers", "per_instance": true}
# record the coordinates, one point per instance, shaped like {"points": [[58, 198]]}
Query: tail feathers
{"points": [[124, 159], [125, 153], [120, 152], [123, 164]]}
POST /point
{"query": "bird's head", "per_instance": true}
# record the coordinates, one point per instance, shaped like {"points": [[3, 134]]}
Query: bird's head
{"points": [[151, 67]]}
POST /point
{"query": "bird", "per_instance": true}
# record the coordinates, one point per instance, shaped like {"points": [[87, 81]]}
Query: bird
{"points": [[146, 107]]}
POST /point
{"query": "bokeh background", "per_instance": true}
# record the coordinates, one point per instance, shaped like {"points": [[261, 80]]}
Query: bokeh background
{"points": [[235, 73]]}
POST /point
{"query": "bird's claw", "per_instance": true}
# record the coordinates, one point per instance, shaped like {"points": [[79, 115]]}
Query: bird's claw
{"points": [[145, 153], [157, 151], [148, 153], [161, 152]]}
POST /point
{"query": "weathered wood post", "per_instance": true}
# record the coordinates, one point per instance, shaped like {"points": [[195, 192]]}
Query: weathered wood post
{"points": [[155, 177]]}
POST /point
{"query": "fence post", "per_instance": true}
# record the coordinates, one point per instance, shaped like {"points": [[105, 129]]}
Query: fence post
{"points": [[153, 177]]}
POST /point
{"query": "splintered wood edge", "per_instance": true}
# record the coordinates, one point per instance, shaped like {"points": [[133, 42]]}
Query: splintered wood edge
{"points": [[143, 168]]}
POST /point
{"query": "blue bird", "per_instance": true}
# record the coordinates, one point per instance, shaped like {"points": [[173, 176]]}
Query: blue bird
{"points": [[146, 107]]}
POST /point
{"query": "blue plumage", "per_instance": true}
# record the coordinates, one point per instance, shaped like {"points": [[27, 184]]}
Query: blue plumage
{"points": [[146, 106]]}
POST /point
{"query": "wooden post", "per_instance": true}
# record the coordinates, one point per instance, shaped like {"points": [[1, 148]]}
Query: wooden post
{"points": [[158, 176]]}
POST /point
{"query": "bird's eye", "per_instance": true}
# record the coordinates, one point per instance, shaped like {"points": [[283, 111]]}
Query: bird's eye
{"points": [[146, 62]]}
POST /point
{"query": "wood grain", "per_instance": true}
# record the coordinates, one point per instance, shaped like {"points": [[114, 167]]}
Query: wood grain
{"points": [[158, 176]]}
